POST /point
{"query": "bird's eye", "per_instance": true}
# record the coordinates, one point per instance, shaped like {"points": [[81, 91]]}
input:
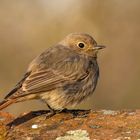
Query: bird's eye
{"points": [[81, 45]]}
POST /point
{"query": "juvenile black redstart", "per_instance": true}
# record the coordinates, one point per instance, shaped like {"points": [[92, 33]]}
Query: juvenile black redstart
{"points": [[62, 76]]}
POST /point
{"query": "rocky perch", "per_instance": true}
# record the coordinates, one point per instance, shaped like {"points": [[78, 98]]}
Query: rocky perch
{"points": [[72, 125]]}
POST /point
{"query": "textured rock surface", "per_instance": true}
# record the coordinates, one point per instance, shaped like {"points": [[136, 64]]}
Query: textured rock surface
{"points": [[72, 125]]}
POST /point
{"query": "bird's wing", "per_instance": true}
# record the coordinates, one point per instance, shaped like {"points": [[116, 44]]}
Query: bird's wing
{"points": [[47, 79], [18, 86], [52, 69]]}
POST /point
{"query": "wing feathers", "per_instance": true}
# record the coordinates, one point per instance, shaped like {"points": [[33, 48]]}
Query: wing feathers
{"points": [[40, 81]]}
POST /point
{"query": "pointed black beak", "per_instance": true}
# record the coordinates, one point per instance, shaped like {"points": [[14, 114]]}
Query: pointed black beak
{"points": [[98, 47]]}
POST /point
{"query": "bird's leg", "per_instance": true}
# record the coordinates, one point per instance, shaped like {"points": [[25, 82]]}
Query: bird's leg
{"points": [[52, 112], [51, 109]]}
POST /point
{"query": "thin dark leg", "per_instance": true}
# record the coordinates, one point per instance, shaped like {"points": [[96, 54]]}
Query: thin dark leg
{"points": [[51, 109], [52, 112]]}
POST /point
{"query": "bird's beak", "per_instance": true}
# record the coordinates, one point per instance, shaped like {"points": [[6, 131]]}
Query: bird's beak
{"points": [[98, 47]]}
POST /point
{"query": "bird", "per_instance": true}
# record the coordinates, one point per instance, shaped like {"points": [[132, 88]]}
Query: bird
{"points": [[63, 75]]}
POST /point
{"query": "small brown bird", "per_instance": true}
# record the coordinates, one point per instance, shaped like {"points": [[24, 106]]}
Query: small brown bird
{"points": [[63, 75]]}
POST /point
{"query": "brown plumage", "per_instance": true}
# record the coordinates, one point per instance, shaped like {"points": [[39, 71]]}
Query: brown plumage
{"points": [[63, 75]]}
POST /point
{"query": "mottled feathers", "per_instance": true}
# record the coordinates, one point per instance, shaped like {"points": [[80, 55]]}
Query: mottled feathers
{"points": [[63, 75]]}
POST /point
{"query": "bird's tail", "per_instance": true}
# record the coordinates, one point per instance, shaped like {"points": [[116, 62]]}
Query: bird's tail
{"points": [[6, 103], [9, 101]]}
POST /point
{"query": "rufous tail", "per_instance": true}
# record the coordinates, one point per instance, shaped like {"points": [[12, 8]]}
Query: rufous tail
{"points": [[6, 103]]}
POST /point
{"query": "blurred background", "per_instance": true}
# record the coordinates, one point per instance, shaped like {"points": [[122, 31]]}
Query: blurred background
{"points": [[28, 27]]}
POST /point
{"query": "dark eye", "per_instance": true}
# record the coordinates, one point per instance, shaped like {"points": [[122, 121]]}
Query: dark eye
{"points": [[81, 45]]}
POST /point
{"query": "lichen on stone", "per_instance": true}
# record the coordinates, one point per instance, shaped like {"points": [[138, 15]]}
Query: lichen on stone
{"points": [[75, 135]]}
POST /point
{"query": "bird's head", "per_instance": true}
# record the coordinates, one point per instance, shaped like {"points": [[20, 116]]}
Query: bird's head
{"points": [[82, 43]]}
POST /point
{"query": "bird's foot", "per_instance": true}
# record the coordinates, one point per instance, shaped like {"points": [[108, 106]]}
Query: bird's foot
{"points": [[50, 114], [77, 114]]}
